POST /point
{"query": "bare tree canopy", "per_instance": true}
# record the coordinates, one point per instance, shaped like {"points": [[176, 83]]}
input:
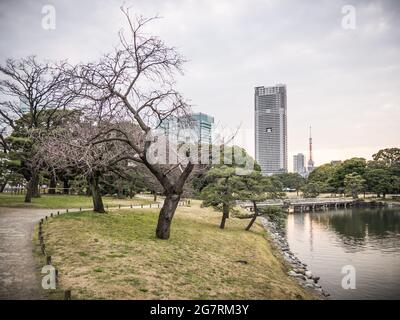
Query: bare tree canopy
{"points": [[135, 84], [33, 98]]}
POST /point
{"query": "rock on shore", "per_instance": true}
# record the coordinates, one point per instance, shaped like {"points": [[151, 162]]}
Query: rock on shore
{"points": [[299, 269]]}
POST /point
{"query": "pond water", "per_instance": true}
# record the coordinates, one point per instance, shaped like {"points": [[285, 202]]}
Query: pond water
{"points": [[366, 239]]}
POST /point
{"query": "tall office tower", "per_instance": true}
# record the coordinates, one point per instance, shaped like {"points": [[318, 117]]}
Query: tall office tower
{"points": [[299, 164], [310, 166], [271, 129]]}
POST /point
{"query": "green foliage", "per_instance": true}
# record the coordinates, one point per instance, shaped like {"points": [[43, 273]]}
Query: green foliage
{"points": [[380, 176], [356, 165], [311, 189], [291, 180], [275, 214], [325, 176], [390, 156], [353, 184], [229, 156], [256, 188], [223, 188], [378, 180]]}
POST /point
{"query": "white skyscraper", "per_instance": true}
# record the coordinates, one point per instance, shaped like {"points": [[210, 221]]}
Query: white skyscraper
{"points": [[271, 129]]}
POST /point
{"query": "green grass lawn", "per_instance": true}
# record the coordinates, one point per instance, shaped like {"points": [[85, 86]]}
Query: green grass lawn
{"points": [[117, 256], [65, 201]]}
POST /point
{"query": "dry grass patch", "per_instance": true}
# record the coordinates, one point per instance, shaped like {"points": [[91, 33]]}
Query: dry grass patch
{"points": [[117, 256]]}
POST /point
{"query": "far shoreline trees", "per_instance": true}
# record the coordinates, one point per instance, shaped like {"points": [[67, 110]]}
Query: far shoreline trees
{"points": [[380, 175]]}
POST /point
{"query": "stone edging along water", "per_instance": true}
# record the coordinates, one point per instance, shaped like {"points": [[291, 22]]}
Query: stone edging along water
{"points": [[299, 270]]}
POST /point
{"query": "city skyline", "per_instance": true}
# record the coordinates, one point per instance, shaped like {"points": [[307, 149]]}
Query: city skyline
{"points": [[333, 83]]}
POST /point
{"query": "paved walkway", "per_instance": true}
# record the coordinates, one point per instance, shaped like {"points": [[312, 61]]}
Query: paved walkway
{"points": [[17, 266]]}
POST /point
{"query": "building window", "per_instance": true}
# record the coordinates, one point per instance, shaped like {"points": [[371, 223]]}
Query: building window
{"points": [[268, 111], [269, 130]]}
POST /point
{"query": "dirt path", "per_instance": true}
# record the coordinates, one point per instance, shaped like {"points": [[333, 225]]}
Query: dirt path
{"points": [[18, 279], [17, 266]]}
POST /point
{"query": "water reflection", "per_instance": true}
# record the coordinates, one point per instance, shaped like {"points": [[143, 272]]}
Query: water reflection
{"points": [[368, 239], [359, 223], [361, 228]]}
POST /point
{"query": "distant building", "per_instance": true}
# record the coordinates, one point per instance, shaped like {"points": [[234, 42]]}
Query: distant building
{"points": [[194, 128], [299, 164], [336, 162], [270, 106], [23, 106], [203, 126]]}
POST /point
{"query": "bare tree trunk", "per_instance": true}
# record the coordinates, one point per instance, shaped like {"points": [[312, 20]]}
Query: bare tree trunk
{"points": [[225, 215], [166, 214], [3, 186], [32, 190], [254, 216], [53, 184], [65, 186], [119, 193], [155, 197], [98, 205]]}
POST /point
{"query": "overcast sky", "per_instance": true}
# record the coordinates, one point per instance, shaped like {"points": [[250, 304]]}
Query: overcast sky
{"points": [[343, 82]]}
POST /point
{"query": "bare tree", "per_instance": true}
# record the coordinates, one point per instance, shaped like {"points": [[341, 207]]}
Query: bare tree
{"points": [[34, 97], [137, 80], [71, 148]]}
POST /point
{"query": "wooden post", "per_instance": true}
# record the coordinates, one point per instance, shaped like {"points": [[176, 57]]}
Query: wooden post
{"points": [[46, 217], [58, 213], [150, 205], [141, 205], [131, 206], [80, 208], [67, 210], [67, 295], [119, 206], [51, 214], [56, 275], [48, 260]]}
